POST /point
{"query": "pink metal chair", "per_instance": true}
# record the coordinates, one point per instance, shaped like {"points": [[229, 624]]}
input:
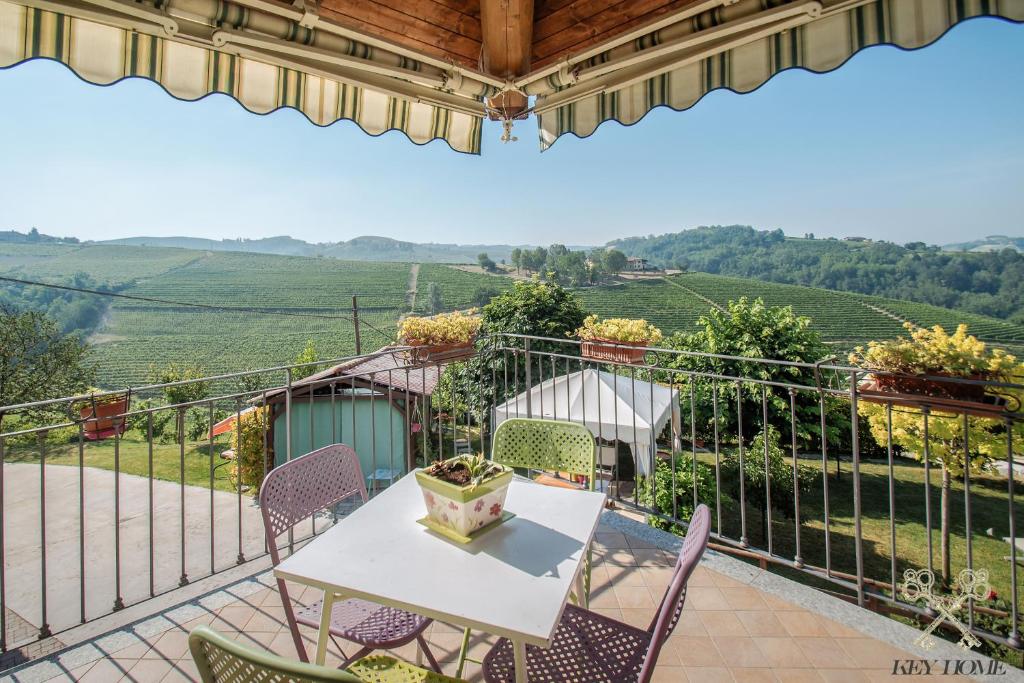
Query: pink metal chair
{"points": [[596, 649], [292, 493]]}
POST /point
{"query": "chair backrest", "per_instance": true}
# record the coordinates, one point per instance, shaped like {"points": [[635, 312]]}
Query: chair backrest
{"points": [[297, 489], [549, 445], [221, 660], [671, 608]]}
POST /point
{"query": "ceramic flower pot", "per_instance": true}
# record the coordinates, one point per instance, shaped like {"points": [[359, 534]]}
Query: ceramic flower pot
{"points": [[616, 352], [464, 509]]}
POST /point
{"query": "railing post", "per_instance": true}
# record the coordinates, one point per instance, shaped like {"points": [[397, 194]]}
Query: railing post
{"points": [[44, 628], [529, 377], [798, 560], [855, 446], [1014, 640], [744, 541], [3, 554], [238, 469], [288, 415]]}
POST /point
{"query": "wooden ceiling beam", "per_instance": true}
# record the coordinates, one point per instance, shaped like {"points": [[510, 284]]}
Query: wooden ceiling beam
{"points": [[507, 27], [398, 26], [562, 33]]}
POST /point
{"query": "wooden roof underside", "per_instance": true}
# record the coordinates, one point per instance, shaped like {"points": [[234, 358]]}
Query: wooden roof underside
{"points": [[457, 30]]}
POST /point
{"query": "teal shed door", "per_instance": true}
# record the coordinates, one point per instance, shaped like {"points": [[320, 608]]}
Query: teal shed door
{"points": [[374, 428]]}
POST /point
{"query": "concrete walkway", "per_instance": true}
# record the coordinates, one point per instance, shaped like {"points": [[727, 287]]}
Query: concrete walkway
{"points": [[23, 557]]}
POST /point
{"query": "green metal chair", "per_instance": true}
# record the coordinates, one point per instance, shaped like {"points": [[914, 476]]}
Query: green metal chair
{"points": [[545, 446], [221, 660]]}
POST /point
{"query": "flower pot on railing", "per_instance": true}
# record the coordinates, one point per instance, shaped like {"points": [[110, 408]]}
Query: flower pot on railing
{"points": [[911, 391], [613, 352], [442, 338], [458, 509], [939, 370], [617, 340], [437, 353]]}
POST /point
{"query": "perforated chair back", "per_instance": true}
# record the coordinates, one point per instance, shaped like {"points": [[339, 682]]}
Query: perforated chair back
{"points": [[548, 445], [221, 660], [310, 483], [671, 608]]}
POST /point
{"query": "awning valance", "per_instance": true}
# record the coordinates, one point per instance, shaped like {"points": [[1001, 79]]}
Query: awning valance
{"points": [[737, 46], [264, 60]]}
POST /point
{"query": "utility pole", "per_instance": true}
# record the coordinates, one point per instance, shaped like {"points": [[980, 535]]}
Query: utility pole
{"points": [[355, 322]]}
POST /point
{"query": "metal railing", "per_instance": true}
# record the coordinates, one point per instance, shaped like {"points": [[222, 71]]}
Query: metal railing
{"points": [[88, 527]]}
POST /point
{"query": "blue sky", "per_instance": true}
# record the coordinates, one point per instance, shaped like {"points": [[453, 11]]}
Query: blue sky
{"points": [[925, 145]]}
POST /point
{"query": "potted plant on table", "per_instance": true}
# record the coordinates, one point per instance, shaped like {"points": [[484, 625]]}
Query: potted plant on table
{"points": [[620, 340], [927, 366], [464, 494], [445, 336]]}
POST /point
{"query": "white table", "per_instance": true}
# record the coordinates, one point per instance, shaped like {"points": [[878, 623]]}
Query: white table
{"points": [[513, 581]]}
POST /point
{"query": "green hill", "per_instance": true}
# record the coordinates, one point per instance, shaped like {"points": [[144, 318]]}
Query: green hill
{"points": [[303, 298]]}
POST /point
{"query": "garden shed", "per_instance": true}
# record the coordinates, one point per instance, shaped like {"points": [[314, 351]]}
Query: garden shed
{"points": [[374, 404]]}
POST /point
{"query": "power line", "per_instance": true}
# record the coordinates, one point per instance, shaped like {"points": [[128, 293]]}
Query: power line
{"points": [[191, 304]]}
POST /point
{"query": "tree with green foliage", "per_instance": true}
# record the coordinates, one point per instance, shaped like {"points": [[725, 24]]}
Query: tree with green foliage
{"points": [[435, 299], [307, 355], [614, 261], [536, 308], [533, 307], [188, 387], [750, 331], [38, 362], [989, 283], [486, 262], [517, 258]]}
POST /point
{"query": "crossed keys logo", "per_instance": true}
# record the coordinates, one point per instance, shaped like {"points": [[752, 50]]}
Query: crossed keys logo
{"points": [[918, 584]]}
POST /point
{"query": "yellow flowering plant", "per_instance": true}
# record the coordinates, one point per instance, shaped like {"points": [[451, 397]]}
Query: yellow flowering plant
{"points": [[622, 330], [933, 351], [445, 328]]}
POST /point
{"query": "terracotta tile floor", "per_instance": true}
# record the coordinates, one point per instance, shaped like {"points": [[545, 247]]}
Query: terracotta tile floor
{"points": [[728, 632]]}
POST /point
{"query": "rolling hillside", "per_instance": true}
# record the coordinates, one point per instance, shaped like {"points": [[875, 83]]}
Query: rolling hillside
{"points": [[302, 298]]}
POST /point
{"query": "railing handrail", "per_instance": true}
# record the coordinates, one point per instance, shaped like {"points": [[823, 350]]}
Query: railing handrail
{"points": [[814, 367]]}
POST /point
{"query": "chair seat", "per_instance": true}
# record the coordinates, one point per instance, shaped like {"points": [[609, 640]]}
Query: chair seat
{"points": [[587, 647], [381, 669], [366, 623]]}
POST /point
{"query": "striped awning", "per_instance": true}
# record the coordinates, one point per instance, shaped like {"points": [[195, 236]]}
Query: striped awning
{"points": [[266, 59], [737, 46]]}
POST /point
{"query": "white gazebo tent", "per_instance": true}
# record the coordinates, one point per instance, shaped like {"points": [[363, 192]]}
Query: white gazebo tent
{"points": [[613, 407]]}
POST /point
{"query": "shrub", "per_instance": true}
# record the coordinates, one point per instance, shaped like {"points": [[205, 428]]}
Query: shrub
{"points": [[661, 496], [247, 442], [780, 472]]}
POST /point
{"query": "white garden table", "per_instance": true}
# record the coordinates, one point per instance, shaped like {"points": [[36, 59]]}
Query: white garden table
{"points": [[513, 581]]}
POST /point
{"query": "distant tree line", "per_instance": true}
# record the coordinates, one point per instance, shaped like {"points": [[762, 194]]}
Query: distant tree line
{"points": [[75, 314], [33, 236], [563, 266], [989, 283]]}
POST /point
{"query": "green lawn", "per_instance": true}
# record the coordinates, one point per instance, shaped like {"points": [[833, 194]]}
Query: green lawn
{"points": [[989, 510], [133, 458]]}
